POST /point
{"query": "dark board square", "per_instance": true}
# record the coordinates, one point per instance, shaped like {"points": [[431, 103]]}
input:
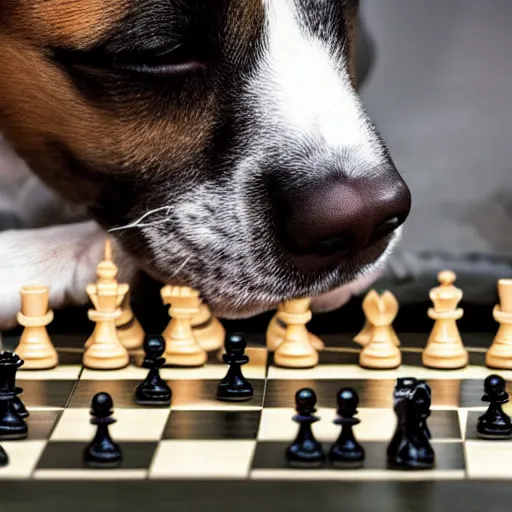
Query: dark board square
{"points": [[444, 424], [271, 455], [69, 455], [212, 425], [122, 392], [41, 424], [46, 393]]}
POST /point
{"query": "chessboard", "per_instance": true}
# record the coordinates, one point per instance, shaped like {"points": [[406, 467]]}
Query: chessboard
{"points": [[201, 438]]}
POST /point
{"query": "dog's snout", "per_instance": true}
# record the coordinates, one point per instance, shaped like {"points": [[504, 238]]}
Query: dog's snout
{"points": [[325, 224]]}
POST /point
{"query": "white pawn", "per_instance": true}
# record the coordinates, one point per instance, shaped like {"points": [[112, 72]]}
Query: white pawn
{"points": [[499, 355], [181, 345], [381, 352], [276, 330], [444, 349], [296, 350]]}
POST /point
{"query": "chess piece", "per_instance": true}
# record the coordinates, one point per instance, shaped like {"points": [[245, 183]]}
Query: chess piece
{"points": [[35, 346], [12, 425], [499, 354], [277, 328], [296, 351], [153, 390], [346, 452], [104, 350], [234, 387], [444, 349], [182, 348], [494, 423], [381, 352], [410, 447], [102, 452], [403, 387], [8, 371], [305, 451], [4, 458], [128, 328], [208, 330], [366, 333]]}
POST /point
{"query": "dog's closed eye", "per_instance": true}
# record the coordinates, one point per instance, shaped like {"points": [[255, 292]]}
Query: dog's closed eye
{"points": [[182, 58], [178, 59]]}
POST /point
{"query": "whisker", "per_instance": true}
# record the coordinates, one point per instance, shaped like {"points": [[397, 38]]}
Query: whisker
{"points": [[138, 223], [180, 268]]}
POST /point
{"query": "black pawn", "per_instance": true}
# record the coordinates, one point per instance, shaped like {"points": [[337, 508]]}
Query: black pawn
{"points": [[494, 423], [346, 452], [12, 425], [305, 451], [153, 390], [234, 387], [102, 452]]}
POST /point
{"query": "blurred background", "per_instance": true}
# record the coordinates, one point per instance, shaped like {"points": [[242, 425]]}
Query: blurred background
{"points": [[436, 77]]}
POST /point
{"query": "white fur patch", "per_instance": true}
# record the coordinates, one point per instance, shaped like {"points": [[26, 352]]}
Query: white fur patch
{"points": [[304, 88], [64, 258]]}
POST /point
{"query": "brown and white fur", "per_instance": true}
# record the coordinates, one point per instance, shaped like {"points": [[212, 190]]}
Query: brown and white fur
{"points": [[170, 123]]}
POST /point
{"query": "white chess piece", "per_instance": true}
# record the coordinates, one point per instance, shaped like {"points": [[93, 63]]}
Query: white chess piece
{"points": [[499, 355]]}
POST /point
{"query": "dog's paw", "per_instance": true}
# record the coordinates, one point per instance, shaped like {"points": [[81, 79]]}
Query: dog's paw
{"points": [[63, 258]]}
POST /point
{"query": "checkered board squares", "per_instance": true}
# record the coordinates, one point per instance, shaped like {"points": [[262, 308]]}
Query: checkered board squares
{"points": [[199, 437]]}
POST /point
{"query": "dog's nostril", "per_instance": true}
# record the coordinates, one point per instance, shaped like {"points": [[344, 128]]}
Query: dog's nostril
{"points": [[336, 244], [385, 228]]}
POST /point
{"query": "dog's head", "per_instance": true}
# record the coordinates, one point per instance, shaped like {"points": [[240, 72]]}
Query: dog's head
{"points": [[231, 127]]}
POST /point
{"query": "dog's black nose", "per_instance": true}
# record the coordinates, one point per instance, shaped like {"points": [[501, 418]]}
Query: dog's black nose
{"points": [[324, 225]]}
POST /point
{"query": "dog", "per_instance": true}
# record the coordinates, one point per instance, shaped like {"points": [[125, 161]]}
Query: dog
{"points": [[221, 144]]}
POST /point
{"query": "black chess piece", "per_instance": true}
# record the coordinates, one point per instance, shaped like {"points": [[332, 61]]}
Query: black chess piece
{"points": [[102, 452], [4, 458], [403, 386], [346, 452], [12, 425], [410, 446], [494, 423], [305, 451], [153, 390], [234, 387], [18, 404]]}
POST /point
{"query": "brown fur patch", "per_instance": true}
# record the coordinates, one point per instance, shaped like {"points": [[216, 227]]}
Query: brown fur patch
{"points": [[38, 103], [77, 23]]}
